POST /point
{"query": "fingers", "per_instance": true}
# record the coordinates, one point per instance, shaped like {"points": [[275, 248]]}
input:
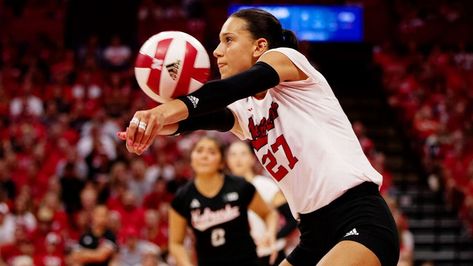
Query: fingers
{"points": [[135, 131], [273, 257], [132, 128], [149, 135], [122, 135], [140, 133], [142, 130]]}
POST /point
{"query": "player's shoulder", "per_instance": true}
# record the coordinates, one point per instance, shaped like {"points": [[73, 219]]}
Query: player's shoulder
{"points": [[290, 53], [235, 180], [185, 190]]}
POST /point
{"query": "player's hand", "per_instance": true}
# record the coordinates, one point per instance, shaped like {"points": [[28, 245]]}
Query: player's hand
{"points": [[142, 130], [147, 124], [165, 130], [269, 242]]}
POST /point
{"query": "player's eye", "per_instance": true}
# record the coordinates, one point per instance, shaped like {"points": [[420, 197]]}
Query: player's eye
{"points": [[228, 39]]}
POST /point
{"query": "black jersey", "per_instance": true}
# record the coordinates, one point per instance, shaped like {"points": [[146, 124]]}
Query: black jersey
{"points": [[91, 241], [220, 223]]}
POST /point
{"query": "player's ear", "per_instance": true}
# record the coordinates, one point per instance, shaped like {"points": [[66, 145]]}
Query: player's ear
{"points": [[261, 45]]}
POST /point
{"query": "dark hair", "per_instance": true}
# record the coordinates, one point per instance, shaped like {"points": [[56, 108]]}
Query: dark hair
{"points": [[262, 24], [220, 145]]}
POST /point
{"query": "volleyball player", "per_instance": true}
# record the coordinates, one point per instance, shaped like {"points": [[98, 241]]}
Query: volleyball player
{"points": [[215, 206], [241, 162], [270, 94]]}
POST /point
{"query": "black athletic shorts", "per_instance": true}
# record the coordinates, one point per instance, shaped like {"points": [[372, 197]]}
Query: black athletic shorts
{"points": [[360, 215]]}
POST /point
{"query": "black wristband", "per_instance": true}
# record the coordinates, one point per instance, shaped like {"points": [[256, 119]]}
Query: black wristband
{"points": [[222, 120], [217, 94]]}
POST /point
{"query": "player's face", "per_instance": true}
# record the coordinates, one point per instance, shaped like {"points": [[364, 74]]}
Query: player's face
{"points": [[206, 158], [235, 51], [239, 159]]}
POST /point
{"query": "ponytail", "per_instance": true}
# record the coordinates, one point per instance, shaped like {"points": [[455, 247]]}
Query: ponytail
{"points": [[289, 39]]}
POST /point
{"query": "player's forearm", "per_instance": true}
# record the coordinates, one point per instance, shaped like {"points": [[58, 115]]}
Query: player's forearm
{"points": [[168, 129], [271, 221], [218, 94], [172, 112], [180, 254], [222, 120]]}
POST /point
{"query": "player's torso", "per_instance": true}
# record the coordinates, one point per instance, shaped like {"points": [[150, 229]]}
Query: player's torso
{"points": [[305, 142], [220, 224]]}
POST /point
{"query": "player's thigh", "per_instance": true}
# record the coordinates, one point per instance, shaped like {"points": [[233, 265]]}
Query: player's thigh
{"points": [[349, 253], [285, 263]]}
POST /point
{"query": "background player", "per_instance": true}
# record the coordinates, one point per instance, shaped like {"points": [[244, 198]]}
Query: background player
{"points": [[241, 162], [215, 206]]}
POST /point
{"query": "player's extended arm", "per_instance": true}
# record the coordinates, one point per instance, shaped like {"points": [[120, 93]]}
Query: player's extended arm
{"points": [[177, 233], [215, 95], [221, 120], [268, 214]]}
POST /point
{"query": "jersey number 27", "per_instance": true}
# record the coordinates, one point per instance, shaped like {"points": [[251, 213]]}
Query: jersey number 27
{"points": [[269, 161]]}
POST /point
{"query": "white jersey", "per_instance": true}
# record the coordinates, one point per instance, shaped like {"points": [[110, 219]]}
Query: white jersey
{"points": [[302, 137], [268, 189]]}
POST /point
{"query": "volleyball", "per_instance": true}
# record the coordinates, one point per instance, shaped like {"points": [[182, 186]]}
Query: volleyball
{"points": [[171, 64]]}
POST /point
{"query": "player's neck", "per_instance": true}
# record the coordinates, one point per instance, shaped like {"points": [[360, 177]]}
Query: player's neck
{"points": [[249, 176], [209, 185]]}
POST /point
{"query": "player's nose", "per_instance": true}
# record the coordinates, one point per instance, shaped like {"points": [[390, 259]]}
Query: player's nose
{"points": [[218, 51]]}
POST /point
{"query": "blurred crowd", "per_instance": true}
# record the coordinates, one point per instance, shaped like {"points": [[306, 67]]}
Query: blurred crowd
{"points": [[431, 89]]}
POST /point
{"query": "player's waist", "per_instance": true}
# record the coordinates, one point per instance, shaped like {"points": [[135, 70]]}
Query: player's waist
{"points": [[361, 190]]}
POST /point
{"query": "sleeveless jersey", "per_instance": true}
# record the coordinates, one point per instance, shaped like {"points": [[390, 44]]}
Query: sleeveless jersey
{"points": [[220, 224], [302, 137], [267, 188]]}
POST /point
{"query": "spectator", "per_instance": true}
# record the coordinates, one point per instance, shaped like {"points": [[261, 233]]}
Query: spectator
{"points": [[117, 55], [130, 213], [6, 183], [158, 195], [98, 244], [7, 225], [87, 94], [139, 184], [71, 186], [22, 210], [378, 162], [366, 143], [406, 238], [53, 253], [156, 230], [134, 250], [27, 104], [21, 247]]}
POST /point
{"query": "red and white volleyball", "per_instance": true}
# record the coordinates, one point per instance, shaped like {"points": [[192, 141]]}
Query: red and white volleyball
{"points": [[171, 64]]}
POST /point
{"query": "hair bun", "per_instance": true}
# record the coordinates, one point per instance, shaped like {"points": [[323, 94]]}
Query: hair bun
{"points": [[289, 39]]}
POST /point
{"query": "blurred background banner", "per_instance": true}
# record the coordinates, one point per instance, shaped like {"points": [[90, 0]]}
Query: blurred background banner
{"points": [[317, 23]]}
